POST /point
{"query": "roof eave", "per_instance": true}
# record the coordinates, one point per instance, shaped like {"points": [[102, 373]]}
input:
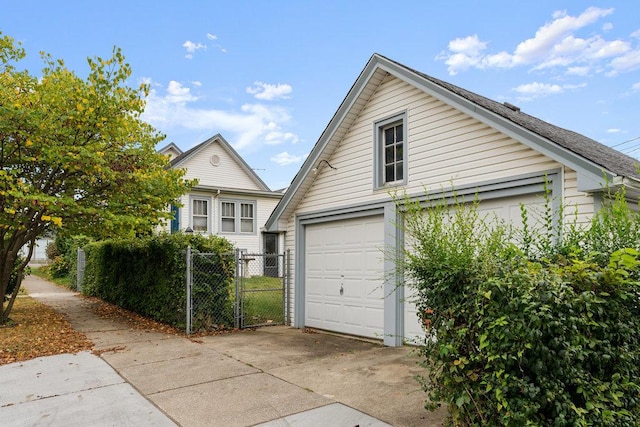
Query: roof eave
{"points": [[591, 176], [302, 180], [230, 150]]}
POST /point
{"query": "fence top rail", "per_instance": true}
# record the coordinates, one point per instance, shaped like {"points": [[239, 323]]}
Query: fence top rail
{"points": [[212, 253], [246, 254]]}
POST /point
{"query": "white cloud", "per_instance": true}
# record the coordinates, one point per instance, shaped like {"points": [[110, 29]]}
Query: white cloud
{"points": [[192, 47], [471, 45], [625, 63], [178, 94], [607, 26], [636, 86], [578, 71], [613, 130], [215, 37], [534, 90], [248, 128], [284, 158], [551, 34], [463, 53], [196, 83], [269, 92], [556, 44]]}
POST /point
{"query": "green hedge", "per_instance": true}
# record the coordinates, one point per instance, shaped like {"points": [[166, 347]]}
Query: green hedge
{"points": [[147, 275], [525, 327]]}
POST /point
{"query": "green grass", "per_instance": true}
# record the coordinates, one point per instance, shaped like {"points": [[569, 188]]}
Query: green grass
{"points": [[43, 272], [262, 282], [264, 306]]}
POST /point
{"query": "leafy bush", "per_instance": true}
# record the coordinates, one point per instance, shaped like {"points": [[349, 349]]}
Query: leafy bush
{"points": [[147, 275], [63, 253], [535, 330], [59, 267], [52, 251]]}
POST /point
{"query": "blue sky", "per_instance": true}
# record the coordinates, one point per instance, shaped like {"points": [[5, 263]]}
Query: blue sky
{"points": [[269, 75]]}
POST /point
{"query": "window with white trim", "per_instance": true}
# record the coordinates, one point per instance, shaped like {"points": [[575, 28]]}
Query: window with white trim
{"points": [[391, 158], [228, 217], [200, 214], [238, 216]]}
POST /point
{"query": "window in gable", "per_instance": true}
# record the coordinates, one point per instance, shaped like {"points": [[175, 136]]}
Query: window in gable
{"points": [[390, 158]]}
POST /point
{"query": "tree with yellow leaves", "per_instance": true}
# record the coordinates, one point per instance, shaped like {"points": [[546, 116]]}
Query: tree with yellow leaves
{"points": [[75, 157]]}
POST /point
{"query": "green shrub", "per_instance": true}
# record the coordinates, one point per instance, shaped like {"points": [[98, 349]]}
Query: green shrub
{"points": [[536, 331], [63, 253], [147, 276], [59, 267]]}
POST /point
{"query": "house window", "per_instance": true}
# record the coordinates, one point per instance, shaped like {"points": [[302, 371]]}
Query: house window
{"points": [[237, 213], [246, 217], [200, 215], [228, 216], [391, 151]]}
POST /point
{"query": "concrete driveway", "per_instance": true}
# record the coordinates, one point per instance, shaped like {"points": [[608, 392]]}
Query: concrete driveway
{"points": [[277, 376]]}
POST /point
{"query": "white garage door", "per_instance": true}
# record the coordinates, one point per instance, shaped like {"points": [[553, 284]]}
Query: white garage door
{"points": [[344, 276], [507, 209]]}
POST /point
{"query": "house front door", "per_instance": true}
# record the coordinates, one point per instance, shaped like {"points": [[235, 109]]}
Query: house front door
{"points": [[270, 242]]}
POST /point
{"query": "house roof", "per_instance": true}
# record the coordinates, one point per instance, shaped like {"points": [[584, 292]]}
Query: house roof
{"points": [[170, 146], [218, 139], [591, 159], [609, 159]]}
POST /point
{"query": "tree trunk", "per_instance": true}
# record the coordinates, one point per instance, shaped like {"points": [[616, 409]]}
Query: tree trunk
{"points": [[9, 260]]}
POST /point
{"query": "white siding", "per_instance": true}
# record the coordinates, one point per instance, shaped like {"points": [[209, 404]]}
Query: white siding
{"points": [[444, 146], [576, 199], [250, 242], [228, 173]]}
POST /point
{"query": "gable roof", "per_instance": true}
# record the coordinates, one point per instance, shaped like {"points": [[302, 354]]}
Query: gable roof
{"points": [[590, 159], [170, 147], [218, 139]]}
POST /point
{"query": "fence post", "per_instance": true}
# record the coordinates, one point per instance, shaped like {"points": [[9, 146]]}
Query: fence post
{"points": [[80, 267], [236, 305], [189, 306], [288, 285]]}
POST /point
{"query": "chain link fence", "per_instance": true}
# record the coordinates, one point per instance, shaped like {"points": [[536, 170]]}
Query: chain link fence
{"points": [[235, 290], [261, 290]]}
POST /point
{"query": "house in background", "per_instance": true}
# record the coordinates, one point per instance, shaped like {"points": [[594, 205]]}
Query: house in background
{"points": [[399, 130], [230, 200], [171, 150]]}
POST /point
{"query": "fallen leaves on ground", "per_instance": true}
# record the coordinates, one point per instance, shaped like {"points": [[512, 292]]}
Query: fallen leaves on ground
{"points": [[37, 330], [133, 320]]}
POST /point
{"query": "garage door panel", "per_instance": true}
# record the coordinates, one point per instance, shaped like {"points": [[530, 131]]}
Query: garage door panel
{"points": [[345, 254], [504, 209], [374, 292]]}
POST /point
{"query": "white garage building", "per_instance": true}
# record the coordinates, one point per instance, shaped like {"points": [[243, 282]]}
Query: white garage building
{"points": [[399, 130]]}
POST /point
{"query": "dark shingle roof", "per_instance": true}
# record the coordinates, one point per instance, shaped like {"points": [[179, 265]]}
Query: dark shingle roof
{"points": [[606, 157]]}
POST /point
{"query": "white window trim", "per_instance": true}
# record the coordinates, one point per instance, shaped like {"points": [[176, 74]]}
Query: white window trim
{"points": [[192, 198], [238, 212], [378, 150]]}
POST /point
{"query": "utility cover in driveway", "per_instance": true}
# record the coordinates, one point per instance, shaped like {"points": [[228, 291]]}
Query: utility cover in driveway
{"points": [[344, 276]]}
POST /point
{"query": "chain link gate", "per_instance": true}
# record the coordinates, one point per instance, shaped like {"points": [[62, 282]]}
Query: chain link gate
{"points": [[238, 290], [260, 290]]}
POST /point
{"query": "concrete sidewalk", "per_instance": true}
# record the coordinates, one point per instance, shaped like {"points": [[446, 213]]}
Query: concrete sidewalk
{"points": [[276, 376]]}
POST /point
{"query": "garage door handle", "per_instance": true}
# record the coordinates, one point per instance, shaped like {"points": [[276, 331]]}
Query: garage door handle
{"points": [[341, 289]]}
